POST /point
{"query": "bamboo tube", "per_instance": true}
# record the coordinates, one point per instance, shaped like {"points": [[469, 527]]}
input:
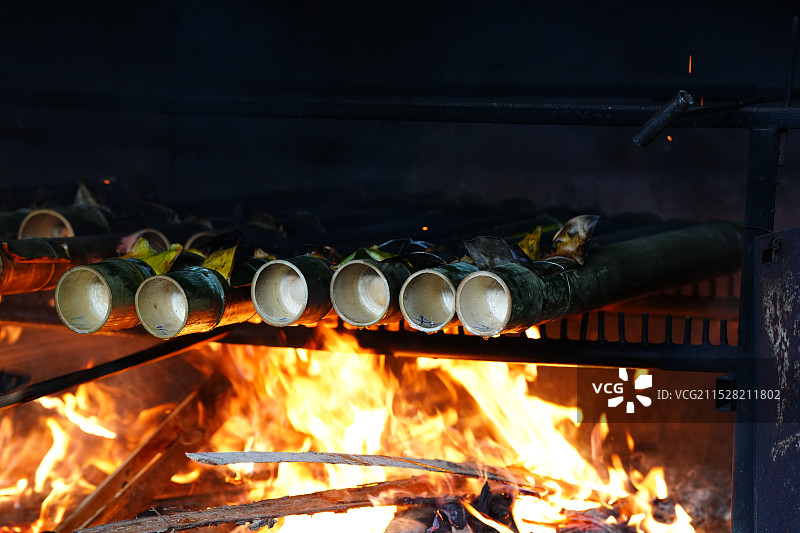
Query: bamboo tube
{"points": [[156, 238], [90, 298], [428, 297], [364, 292], [292, 291], [31, 265], [195, 300], [511, 298], [67, 221], [100, 296]]}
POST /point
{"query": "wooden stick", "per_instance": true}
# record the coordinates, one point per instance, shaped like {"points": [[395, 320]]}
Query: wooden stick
{"points": [[431, 465], [129, 488], [377, 494]]}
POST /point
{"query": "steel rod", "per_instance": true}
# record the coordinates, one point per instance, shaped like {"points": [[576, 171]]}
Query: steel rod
{"points": [[148, 355], [507, 348], [428, 109]]}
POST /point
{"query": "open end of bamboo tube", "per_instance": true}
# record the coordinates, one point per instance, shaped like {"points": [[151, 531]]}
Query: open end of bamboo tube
{"points": [[428, 300], [360, 293], [162, 307], [45, 223], [280, 293], [483, 303], [157, 240], [83, 299]]}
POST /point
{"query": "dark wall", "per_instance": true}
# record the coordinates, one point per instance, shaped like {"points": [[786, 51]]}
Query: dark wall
{"points": [[148, 53]]}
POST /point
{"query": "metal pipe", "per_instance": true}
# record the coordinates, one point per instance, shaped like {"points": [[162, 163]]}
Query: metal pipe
{"points": [[428, 296], [511, 297], [90, 298], [674, 108], [292, 291], [195, 300], [365, 292], [67, 221]]}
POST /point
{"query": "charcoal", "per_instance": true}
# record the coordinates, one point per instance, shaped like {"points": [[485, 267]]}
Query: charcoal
{"points": [[495, 506], [664, 510], [449, 518]]}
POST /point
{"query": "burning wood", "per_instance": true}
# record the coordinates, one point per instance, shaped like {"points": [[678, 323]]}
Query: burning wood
{"points": [[431, 465], [153, 463], [416, 490]]}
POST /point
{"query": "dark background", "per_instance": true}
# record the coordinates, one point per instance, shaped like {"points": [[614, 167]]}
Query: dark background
{"points": [[104, 54]]}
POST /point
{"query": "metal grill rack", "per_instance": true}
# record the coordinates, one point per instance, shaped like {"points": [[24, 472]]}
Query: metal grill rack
{"points": [[764, 489]]}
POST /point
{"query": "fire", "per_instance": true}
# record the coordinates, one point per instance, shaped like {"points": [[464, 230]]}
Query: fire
{"points": [[56, 450], [341, 400]]}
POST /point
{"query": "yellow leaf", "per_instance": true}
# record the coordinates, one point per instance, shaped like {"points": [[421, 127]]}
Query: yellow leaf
{"points": [[140, 250], [159, 262], [221, 261], [530, 243], [162, 262]]}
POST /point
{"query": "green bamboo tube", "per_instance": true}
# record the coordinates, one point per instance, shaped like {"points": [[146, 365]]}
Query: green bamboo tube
{"points": [[195, 300], [512, 298], [292, 291], [91, 298], [428, 296], [365, 292]]}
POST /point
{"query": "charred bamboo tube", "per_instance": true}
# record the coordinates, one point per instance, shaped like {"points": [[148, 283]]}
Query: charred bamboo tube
{"points": [[428, 297], [292, 291], [66, 221], [512, 298], [31, 265], [365, 292], [90, 298], [195, 300]]}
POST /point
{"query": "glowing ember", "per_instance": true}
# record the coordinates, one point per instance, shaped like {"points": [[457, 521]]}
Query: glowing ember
{"points": [[341, 400]]}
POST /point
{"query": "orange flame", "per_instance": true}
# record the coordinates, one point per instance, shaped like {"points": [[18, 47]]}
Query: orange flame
{"points": [[344, 400]]}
